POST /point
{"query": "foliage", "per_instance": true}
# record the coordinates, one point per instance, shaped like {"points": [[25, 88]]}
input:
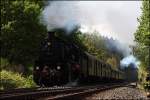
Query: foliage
{"points": [[142, 74], [142, 52], [4, 63], [142, 34], [113, 62], [142, 37], [96, 46], [21, 32], [11, 80]]}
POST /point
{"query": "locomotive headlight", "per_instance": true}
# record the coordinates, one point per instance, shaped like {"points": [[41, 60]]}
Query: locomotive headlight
{"points": [[148, 94], [37, 67], [58, 67], [48, 43]]}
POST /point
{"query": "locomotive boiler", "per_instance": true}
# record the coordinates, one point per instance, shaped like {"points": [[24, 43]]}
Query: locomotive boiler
{"points": [[61, 61]]}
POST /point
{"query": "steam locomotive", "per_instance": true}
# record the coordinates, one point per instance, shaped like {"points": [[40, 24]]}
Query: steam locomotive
{"points": [[61, 62]]}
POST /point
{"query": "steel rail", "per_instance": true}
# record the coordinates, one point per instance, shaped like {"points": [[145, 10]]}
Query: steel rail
{"points": [[32, 95]]}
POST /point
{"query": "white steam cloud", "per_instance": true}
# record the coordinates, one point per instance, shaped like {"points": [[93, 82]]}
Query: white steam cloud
{"points": [[117, 19], [61, 14], [129, 60]]}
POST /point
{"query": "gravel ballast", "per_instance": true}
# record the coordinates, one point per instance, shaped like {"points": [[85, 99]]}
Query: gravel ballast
{"points": [[119, 93]]}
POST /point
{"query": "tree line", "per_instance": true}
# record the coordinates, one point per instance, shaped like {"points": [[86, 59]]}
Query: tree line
{"points": [[21, 30]]}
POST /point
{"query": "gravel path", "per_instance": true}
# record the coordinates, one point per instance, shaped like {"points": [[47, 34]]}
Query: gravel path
{"points": [[119, 93]]}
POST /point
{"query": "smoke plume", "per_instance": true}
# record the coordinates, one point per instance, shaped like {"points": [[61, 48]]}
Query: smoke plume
{"points": [[61, 14], [117, 19], [123, 49], [116, 46], [129, 60]]}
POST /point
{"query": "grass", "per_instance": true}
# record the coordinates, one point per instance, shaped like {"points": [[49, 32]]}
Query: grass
{"points": [[12, 80]]}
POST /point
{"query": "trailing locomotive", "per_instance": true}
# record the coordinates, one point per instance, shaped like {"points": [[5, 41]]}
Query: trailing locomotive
{"points": [[62, 61]]}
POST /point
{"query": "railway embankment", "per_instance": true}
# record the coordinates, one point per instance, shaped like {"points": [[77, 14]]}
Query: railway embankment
{"points": [[123, 93]]}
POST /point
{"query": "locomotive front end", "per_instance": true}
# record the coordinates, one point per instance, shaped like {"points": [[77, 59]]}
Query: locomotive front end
{"points": [[48, 69], [58, 62]]}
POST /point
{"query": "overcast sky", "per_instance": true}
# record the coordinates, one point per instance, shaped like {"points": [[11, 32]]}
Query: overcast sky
{"points": [[116, 19]]}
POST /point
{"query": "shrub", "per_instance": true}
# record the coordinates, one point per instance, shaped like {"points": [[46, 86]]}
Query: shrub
{"points": [[10, 80], [4, 63], [146, 85]]}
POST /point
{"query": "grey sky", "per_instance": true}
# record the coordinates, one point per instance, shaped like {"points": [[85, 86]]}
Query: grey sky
{"points": [[116, 19]]}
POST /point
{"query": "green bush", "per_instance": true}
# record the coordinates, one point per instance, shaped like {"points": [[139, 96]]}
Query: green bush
{"points": [[4, 63], [146, 85], [10, 80]]}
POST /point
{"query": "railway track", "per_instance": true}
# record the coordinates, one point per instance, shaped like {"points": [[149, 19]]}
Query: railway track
{"points": [[18, 90], [54, 93], [77, 95], [24, 93], [24, 90]]}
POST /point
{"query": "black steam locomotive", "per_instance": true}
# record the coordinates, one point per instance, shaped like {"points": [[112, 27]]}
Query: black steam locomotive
{"points": [[61, 62]]}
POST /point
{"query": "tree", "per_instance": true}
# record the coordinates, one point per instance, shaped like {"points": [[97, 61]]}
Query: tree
{"points": [[96, 45], [142, 34], [21, 31], [113, 62], [142, 37]]}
